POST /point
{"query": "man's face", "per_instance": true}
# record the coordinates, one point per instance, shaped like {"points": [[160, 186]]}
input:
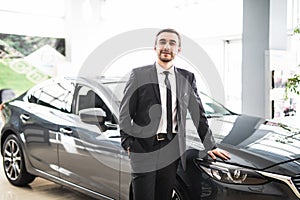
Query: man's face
{"points": [[167, 46]]}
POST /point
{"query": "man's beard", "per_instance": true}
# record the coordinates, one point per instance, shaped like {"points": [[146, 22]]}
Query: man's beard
{"points": [[166, 59]]}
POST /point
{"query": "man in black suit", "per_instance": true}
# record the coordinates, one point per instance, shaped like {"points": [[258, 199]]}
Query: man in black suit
{"points": [[153, 118]]}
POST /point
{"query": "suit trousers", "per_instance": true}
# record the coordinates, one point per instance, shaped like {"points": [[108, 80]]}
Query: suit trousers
{"points": [[157, 184]]}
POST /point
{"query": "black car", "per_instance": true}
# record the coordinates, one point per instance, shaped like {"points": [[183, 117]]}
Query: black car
{"points": [[66, 130]]}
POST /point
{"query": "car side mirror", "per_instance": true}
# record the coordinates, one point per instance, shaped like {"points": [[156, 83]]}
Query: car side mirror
{"points": [[94, 116]]}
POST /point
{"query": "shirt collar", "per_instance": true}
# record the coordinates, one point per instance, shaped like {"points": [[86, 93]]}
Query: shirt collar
{"points": [[160, 69]]}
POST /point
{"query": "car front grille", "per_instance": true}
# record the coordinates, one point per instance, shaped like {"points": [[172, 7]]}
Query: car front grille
{"points": [[296, 181]]}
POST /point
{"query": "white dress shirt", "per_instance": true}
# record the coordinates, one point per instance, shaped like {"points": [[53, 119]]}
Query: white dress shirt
{"points": [[163, 97]]}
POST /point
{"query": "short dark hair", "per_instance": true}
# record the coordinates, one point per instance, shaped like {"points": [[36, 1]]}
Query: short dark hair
{"points": [[169, 30]]}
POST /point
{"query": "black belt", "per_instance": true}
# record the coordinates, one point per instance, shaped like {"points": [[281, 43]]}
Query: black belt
{"points": [[163, 136]]}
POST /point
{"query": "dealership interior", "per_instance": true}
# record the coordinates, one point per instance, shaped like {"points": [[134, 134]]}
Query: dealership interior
{"points": [[251, 47]]}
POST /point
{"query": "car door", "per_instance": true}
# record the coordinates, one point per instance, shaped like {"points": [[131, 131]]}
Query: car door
{"points": [[47, 107], [90, 157]]}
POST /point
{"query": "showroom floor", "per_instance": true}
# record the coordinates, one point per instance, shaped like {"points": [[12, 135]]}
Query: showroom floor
{"points": [[39, 189]]}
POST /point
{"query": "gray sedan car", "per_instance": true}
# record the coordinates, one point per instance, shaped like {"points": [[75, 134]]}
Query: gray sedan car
{"points": [[66, 130]]}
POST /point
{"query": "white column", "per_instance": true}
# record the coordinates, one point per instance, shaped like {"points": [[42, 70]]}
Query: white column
{"points": [[264, 28]]}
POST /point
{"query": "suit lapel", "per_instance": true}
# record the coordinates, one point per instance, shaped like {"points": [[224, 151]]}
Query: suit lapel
{"points": [[179, 83]]}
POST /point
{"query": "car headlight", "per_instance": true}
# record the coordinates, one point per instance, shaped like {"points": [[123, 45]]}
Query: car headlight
{"points": [[231, 174]]}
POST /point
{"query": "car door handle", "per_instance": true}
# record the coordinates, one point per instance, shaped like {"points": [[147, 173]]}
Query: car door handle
{"points": [[24, 117], [66, 131]]}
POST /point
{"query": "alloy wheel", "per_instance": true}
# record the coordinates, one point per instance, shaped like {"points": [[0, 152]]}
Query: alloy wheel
{"points": [[12, 160]]}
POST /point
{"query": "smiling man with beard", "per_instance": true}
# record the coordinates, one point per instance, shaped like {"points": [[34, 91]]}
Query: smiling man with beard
{"points": [[152, 120]]}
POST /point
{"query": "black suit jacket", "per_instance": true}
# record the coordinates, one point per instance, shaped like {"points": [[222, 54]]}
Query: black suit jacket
{"points": [[140, 109]]}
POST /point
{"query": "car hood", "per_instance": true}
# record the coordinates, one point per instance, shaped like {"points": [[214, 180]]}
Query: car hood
{"points": [[256, 142]]}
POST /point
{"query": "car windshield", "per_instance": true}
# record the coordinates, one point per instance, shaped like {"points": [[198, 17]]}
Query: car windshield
{"points": [[212, 108]]}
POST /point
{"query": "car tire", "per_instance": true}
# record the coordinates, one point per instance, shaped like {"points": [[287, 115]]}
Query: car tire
{"points": [[180, 192], [14, 163]]}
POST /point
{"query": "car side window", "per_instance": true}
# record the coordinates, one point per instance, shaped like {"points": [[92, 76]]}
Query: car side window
{"points": [[87, 98], [57, 95], [34, 96]]}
